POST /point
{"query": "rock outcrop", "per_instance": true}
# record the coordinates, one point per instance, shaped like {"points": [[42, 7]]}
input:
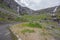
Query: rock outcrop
{"points": [[22, 10]]}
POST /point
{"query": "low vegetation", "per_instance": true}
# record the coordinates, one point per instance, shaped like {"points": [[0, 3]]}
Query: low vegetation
{"points": [[35, 17], [2, 19], [35, 29], [6, 17], [29, 18], [34, 24], [27, 31]]}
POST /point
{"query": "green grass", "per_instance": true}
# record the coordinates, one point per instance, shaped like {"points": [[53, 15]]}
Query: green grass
{"points": [[2, 19], [21, 19], [34, 25], [28, 18], [2, 16], [34, 17], [27, 31]]}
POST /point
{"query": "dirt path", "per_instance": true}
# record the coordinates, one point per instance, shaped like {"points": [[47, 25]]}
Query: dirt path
{"points": [[4, 32]]}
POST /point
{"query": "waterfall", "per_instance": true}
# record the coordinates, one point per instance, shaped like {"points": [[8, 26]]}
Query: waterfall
{"points": [[55, 9], [18, 10]]}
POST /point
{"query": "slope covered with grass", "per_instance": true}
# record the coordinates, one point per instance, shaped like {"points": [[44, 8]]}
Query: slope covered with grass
{"points": [[35, 31]]}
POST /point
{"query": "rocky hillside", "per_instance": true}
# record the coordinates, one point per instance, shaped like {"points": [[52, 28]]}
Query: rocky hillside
{"points": [[48, 10], [13, 5], [24, 10]]}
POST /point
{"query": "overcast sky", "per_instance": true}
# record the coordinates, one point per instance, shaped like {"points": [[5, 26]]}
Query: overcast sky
{"points": [[38, 4]]}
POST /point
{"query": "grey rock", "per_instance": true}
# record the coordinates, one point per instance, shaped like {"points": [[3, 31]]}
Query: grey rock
{"points": [[13, 5]]}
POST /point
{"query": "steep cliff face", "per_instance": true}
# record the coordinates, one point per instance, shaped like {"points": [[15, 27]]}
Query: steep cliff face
{"points": [[12, 4], [22, 10]]}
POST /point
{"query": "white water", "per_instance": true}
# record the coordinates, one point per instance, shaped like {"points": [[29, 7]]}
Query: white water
{"points": [[55, 9]]}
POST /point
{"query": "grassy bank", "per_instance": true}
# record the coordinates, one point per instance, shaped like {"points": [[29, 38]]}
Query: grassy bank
{"points": [[27, 30]]}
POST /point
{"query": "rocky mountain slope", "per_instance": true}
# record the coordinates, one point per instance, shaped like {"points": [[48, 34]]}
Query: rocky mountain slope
{"points": [[49, 10], [22, 10]]}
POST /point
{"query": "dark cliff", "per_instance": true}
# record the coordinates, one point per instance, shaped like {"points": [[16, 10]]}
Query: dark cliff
{"points": [[13, 5]]}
